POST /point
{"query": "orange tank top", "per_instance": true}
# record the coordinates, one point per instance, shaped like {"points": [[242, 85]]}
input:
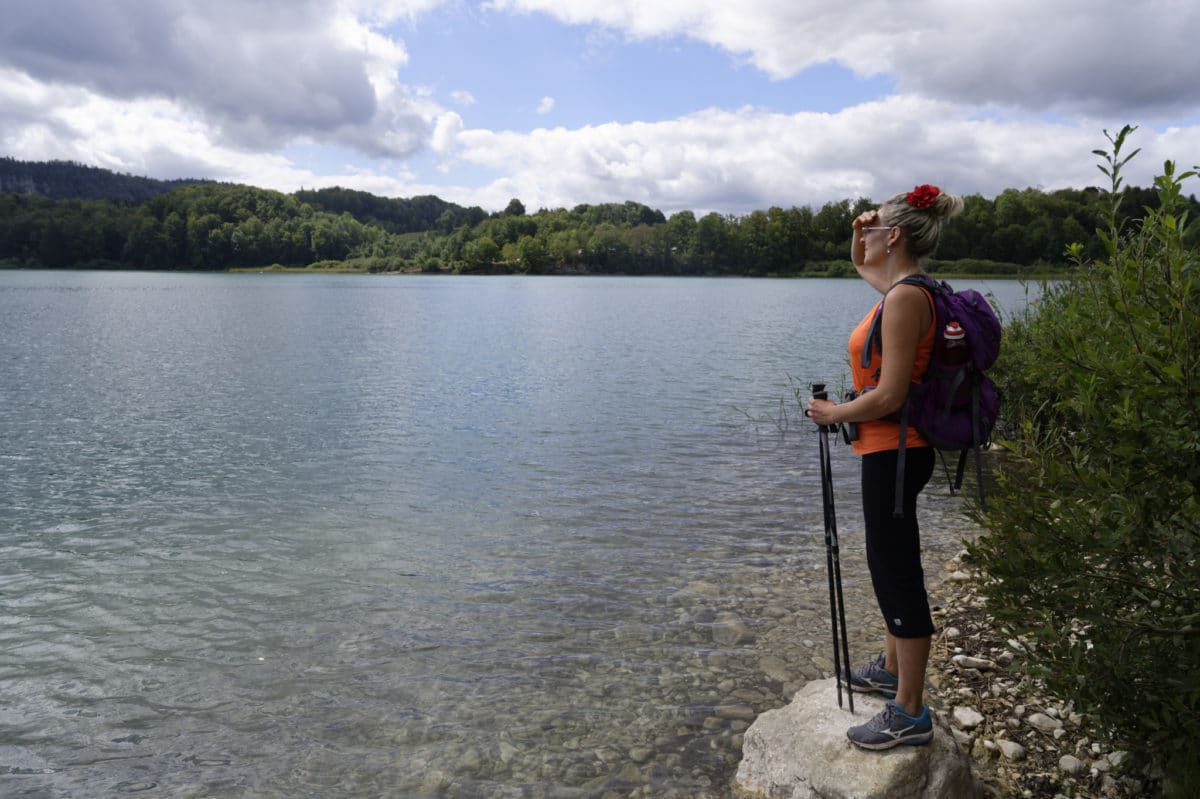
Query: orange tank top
{"points": [[879, 435]]}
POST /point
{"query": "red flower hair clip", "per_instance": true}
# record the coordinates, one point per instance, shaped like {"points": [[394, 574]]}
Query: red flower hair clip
{"points": [[922, 196]]}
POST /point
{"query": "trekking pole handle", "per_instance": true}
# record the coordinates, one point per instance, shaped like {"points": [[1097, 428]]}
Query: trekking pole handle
{"points": [[819, 392]]}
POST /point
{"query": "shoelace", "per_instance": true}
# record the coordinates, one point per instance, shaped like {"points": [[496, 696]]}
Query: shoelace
{"points": [[884, 719]]}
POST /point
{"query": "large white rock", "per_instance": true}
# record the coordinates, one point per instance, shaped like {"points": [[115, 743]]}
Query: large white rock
{"points": [[801, 752]]}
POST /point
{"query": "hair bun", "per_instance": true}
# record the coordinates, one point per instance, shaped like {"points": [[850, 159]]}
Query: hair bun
{"points": [[948, 205], [921, 213]]}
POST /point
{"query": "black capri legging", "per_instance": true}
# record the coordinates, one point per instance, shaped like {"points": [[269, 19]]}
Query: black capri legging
{"points": [[894, 545]]}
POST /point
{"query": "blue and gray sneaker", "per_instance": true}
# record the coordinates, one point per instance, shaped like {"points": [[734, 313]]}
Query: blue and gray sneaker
{"points": [[893, 727], [874, 678]]}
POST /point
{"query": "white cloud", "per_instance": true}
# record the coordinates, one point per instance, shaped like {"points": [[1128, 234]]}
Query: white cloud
{"points": [[737, 161], [381, 12], [258, 75], [445, 132], [714, 160], [1081, 57], [152, 136], [218, 89]]}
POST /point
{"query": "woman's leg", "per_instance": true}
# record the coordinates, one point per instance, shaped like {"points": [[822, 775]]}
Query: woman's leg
{"points": [[894, 557], [907, 658]]}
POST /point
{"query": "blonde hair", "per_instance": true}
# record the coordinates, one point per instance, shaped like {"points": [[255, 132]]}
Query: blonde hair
{"points": [[922, 226]]}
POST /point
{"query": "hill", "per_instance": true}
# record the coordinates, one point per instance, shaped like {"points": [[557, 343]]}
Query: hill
{"points": [[67, 180], [395, 215]]}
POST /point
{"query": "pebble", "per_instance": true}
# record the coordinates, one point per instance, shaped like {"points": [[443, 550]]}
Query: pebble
{"points": [[1071, 764], [775, 668], [471, 761], [969, 662], [1043, 723], [967, 717], [1011, 749], [729, 630], [631, 774], [741, 712]]}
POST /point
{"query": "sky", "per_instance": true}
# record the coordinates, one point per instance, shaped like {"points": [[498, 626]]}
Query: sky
{"points": [[698, 105]]}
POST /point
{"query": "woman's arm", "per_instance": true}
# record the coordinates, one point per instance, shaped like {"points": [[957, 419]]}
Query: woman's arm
{"points": [[906, 317], [857, 248]]}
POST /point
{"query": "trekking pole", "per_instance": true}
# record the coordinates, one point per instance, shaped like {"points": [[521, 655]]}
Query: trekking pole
{"points": [[833, 563]]}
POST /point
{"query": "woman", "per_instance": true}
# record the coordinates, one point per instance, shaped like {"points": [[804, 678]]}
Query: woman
{"points": [[889, 245]]}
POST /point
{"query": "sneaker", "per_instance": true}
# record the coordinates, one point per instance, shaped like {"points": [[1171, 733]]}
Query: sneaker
{"points": [[893, 727], [874, 678]]}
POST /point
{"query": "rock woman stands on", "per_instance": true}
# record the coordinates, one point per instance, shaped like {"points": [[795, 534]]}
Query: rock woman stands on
{"points": [[889, 245]]}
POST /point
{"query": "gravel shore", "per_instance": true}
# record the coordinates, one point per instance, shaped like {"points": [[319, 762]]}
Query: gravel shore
{"points": [[1023, 743]]}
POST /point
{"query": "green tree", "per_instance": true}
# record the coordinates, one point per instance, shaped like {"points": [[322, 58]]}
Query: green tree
{"points": [[174, 231], [681, 238], [565, 248], [755, 244], [831, 230], [198, 228], [607, 250], [480, 253], [145, 246], [713, 244], [531, 254], [650, 249]]}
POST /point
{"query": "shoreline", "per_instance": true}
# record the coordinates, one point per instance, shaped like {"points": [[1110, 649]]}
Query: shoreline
{"points": [[278, 269]]}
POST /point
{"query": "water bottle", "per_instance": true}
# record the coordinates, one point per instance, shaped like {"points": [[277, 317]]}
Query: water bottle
{"points": [[955, 349]]}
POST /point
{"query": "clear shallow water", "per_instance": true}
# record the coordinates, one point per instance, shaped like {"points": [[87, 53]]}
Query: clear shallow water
{"points": [[280, 535]]}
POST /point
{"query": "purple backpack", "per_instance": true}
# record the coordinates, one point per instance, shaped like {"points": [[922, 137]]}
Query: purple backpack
{"points": [[955, 405]]}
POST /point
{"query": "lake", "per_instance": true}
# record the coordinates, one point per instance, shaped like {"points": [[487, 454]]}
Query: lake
{"points": [[350, 536]]}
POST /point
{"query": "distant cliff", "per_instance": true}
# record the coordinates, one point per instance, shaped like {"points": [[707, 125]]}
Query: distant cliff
{"points": [[67, 180]]}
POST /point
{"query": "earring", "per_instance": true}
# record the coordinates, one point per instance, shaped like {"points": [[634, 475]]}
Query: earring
{"points": [[889, 250]]}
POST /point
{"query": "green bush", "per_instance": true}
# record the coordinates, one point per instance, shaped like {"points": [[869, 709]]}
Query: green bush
{"points": [[1093, 532], [837, 268]]}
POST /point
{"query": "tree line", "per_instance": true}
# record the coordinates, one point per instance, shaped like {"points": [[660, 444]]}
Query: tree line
{"points": [[217, 226]]}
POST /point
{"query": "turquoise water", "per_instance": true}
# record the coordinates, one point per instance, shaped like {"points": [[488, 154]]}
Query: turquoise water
{"points": [[278, 535]]}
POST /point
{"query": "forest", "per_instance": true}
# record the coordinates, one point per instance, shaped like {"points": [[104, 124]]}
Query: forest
{"points": [[96, 219]]}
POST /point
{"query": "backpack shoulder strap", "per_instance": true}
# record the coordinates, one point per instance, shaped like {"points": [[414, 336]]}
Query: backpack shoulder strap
{"points": [[874, 339]]}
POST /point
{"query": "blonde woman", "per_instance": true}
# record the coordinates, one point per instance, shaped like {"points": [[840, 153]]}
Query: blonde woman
{"points": [[889, 245]]}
